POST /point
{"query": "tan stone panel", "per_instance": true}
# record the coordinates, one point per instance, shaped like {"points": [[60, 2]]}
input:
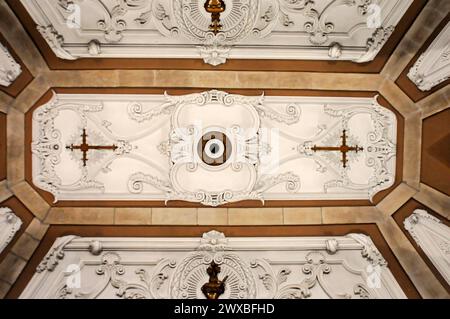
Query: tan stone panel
{"points": [[31, 94], [437, 201], [423, 26], [85, 78], [132, 78], [391, 203], [5, 101], [25, 246], [174, 216], [399, 100], [255, 216], [212, 216], [349, 215], [412, 150], [133, 216], [30, 198], [5, 193], [11, 267], [422, 277], [302, 215], [15, 147], [221, 79], [436, 102], [37, 229], [18, 38], [4, 288], [80, 215]]}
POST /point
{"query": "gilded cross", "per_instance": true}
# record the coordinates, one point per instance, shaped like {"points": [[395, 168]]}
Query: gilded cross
{"points": [[344, 148], [84, 147]]}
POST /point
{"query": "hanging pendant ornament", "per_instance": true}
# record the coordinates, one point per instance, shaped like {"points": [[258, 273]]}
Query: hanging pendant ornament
{"points": [[215, 7]]}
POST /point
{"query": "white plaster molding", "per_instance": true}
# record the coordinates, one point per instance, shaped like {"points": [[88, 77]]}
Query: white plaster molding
{"points": [[433, 237], [252, 29], [433, 65], [9, 68], [158, 150], [257, 267], [9, 226], [55, 41]]}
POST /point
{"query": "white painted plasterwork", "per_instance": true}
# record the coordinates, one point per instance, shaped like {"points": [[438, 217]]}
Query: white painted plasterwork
{"points": [[257, 267], [9, 68], [157, 137], [433, 237], [433, 66], [252, 29], [9, 226]]}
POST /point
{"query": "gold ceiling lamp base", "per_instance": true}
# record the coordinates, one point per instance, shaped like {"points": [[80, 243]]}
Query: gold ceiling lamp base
{"points": [[214, 287], [215, 7]]}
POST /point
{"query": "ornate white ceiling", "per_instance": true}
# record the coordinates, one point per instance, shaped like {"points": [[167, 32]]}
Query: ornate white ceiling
{"points": [[433, 66], [252, 29], [212, 147], [257, 267]]}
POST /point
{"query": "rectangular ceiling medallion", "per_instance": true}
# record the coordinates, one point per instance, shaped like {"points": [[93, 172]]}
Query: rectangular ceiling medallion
{"points": [[249, 29], [214, 266], [212, 147]]}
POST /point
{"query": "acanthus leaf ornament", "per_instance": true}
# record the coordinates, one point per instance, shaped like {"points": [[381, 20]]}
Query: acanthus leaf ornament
{"points": [[55, 41]]}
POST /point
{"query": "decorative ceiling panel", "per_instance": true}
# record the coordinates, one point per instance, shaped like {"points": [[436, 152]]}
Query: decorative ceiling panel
{"points": [[251, 29], [212, 147], [342, 267], [433, 66], [433, 237]]}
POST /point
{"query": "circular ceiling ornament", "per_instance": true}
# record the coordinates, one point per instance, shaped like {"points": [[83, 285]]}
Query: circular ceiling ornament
{"points": [[214, 148]]}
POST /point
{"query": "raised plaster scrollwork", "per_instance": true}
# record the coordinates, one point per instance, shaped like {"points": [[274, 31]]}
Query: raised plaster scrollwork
{"points": [[9, 226], [375, 43], [166, 268], [433, 237], [48, 147], [270, 29], [433, 66], [9, 68], [279, 147], [182, 147], [55, 41], [55, 255]]}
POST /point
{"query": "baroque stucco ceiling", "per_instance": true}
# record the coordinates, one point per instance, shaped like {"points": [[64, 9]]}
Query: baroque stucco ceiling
{"points": [[416, 185]]}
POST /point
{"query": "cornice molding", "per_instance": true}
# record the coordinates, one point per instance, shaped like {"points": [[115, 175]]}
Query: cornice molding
{"points": [[433, 66], [433, 237]]}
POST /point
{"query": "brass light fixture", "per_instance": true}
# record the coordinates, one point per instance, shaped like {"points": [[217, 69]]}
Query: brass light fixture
{"points": [[215, 7], [214, 287]]}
